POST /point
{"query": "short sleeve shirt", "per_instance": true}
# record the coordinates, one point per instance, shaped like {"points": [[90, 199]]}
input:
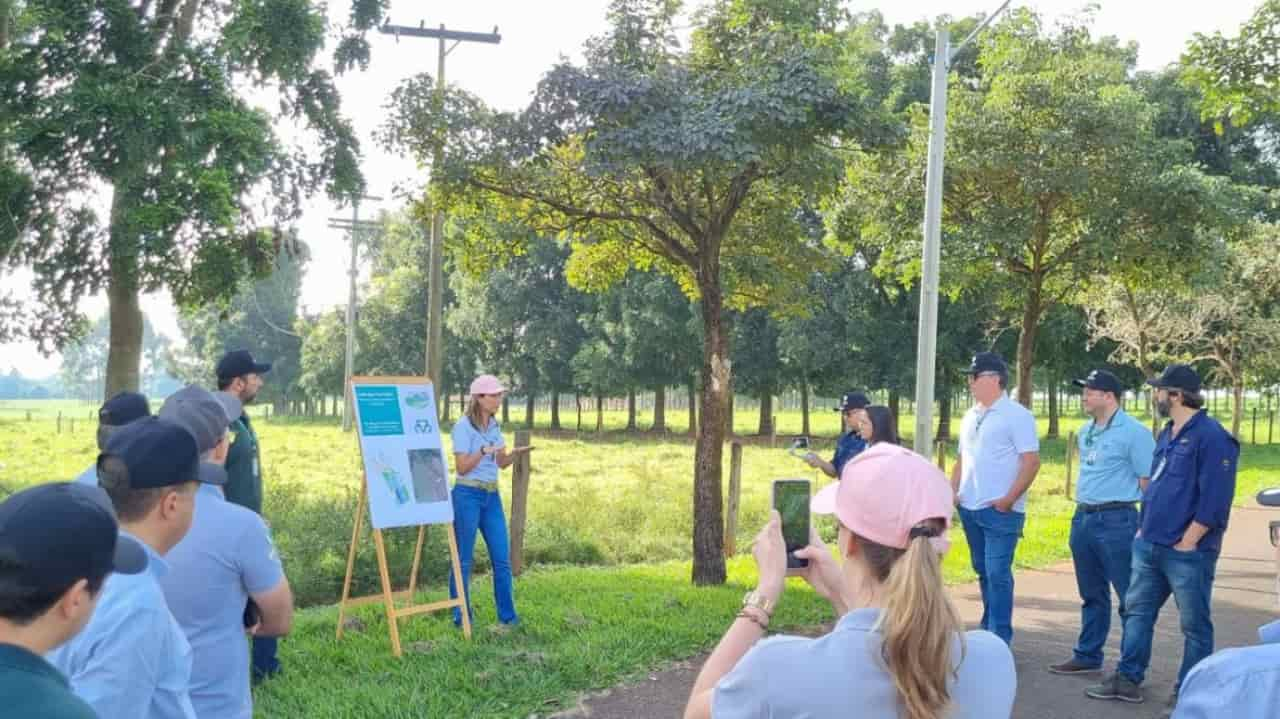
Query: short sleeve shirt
{"points": [[829, 676], [1112, 458], [991, 445], [468, 440], [848, 446], [1242, 683], [226, 557]]}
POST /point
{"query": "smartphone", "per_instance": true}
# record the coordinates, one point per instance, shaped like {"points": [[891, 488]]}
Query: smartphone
{"points": [[252, 615], [791, 499], [799, 447]]}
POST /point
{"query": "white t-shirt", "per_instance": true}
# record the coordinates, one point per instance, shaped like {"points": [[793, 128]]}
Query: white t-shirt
{"points": [[991, 444]]}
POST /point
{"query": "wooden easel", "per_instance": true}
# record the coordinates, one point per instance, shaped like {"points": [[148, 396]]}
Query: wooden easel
{"points": [[388, 597]]}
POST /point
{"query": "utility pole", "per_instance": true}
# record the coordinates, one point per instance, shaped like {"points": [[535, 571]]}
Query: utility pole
{"points": [[353, 227], [927, 335], [435, 288]]}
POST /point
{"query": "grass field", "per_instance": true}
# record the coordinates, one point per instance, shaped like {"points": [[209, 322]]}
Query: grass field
{"points": [[608, 544]]}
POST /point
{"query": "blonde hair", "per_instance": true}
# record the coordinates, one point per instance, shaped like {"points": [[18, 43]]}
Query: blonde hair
{"points": [[479, 418], [918, 623]]}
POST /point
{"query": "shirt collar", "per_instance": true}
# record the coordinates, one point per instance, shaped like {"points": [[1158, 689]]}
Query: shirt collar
{"points": [[156, 566], [1270, 633], [859, 620], [211, 490], [23, 659]]}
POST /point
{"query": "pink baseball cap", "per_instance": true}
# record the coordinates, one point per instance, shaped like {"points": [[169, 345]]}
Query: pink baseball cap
{"points": [[884, 492], [486, 384]]}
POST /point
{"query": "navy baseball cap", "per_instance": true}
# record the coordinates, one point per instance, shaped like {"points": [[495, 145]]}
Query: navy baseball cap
{"points": [[1177, 376], [987, 362], [853, 399], [123, 409], [53, 535], [159, 453], [238, 363], [1102, 381]]}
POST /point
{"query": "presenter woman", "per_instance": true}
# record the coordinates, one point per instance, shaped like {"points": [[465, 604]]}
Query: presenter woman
{"points": [[478, 453]]}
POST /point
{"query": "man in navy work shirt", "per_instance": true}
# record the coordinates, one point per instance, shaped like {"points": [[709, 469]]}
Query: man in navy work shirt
{"points": [[1240, 683], [850, 443], [58, 544], [1184, 514], [1115, 461]]}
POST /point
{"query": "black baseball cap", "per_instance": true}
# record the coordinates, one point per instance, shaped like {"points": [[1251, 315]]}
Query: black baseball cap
{"points": [[853, 399], [159, 453], [238, 363], [1177, 376], [1102, 381], [123, 409], [987, 362], [53, 535]]}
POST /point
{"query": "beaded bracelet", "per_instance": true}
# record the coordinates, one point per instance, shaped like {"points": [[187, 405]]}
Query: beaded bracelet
{"points": [[747, 615]]}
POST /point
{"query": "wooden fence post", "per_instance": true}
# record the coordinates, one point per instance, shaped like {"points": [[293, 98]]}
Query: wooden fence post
{"points": [[773, 431], [519, 501], [1271, 423], [940, 453], [73, 425], [59, 422], [1071, 448], [1255, 424], [735, 486], [28, 415]]}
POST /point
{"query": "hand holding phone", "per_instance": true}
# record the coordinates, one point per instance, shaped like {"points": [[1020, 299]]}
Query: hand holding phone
{"points": [[791, 499]]}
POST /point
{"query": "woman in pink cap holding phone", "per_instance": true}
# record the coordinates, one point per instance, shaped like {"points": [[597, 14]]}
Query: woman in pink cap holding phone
{"points": [[898, 648], [478, 453]]}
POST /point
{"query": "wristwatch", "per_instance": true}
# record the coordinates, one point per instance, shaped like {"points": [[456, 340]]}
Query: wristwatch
{"points": [[759, 601]]}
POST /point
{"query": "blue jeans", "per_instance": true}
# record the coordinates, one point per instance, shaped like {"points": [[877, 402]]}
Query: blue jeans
{"points": [[265, 663], [993, 538], [1102, 550], [1159, 571], [475, 509]]}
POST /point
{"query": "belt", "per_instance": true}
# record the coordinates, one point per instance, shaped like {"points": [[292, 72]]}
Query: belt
{"points": [[477, 484], [1105, 506]]}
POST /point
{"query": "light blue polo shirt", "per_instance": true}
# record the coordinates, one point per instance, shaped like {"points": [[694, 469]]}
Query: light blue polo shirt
{"points": [[1241, 683], [842, 674], [991, 445], [226, 557], [1110, 465], [132, 659], [89, 476], [468, 440]]}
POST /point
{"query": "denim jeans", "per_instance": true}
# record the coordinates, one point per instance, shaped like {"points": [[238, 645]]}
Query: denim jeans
{"points": [[993, 538], [1159, 571], [265, 663], [475, 509], [1102, 550]]}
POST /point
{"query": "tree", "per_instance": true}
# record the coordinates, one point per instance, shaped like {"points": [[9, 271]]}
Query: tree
{"points": [[84, 362], [689, 162], [660, 343], [1239, 76], [149, 99]]}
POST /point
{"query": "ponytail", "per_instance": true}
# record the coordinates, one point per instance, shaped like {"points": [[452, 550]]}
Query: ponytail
{"points": [[918, 623]]}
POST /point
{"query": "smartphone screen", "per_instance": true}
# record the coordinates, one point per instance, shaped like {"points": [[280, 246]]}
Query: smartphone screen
{"points": [[791, 499]]}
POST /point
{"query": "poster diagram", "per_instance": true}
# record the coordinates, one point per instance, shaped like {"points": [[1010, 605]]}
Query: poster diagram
{"points": [[403, 458]]}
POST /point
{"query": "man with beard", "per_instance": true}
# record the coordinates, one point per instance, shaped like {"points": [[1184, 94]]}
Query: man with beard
{"points": [[241, 377], [1184, 514]]}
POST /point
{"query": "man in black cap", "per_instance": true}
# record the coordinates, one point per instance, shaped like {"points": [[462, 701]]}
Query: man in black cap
{"points": [[241, 377], [1183, 517], [852, 404], [1115, 463], [132, 659], [114, 414], [58, 544]]}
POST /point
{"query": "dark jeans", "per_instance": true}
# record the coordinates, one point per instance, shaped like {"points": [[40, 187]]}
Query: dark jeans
{"points": [[1102, 551], [1159, 571], [265, 663], [475, 509], [993, 538]]}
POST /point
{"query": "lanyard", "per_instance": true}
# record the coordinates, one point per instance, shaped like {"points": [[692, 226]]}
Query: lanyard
{"points": [[1088, 440]]}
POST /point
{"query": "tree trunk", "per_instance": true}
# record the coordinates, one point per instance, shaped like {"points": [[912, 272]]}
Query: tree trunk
{"points": [[895, 406], [124, 358], [631, 410], [279, 404], [1237, 409], [660, 408], [1053, 408], [766, 414], [716, 375], [1027, 344], [804, 408], [577, 401], [462, 405], [693, 407], [448, 406], [599, 413], [728, 412], [944, 407], [529, 401], [555, 409], [506, 409]]}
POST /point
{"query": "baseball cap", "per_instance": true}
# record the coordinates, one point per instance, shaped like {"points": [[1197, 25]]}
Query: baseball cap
{"points": [[884, 492], [852, 399], [238, 363], [1177, 376], [1269, 497], [200, 413], [123, 408], [231, 404], [486, 384], [52, 535], [987, 362], [1101, 380], [159, 453]]}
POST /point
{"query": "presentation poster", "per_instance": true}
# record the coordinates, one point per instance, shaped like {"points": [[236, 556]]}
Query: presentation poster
{"points": [[403, 458]]}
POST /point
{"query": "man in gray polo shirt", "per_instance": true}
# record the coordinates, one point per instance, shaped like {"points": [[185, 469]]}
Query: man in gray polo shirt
{"points": [[224, 561]]}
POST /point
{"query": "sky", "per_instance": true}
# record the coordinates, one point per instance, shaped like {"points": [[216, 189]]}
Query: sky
{"points": [[536, 34]]}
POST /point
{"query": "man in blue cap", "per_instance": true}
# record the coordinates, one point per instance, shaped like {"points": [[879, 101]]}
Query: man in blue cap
{"points": [[1115, 463], [58, 544], [115, 413], [132, 659], [1184, 514], [850, 442]]}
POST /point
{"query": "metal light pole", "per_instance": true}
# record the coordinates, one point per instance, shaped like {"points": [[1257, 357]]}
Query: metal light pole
{"points": [[927, 335]]}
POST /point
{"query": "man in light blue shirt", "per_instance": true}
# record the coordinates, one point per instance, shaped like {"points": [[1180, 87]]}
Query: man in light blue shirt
{"points": [[132, 659], [1115, 460], [1240, 683]]}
